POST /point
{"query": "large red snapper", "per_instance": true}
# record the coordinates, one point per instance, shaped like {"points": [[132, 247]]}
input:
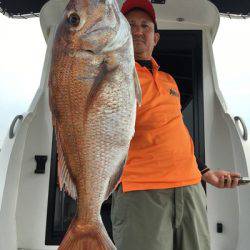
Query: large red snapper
{"points": [[93, 89]]}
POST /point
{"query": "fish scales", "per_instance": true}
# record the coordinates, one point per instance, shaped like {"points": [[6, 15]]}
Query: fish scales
{"points": [[93, 90]]}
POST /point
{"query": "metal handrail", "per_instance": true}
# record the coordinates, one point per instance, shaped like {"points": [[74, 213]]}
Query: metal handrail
{"points": [[12, 126], [245, 132]]}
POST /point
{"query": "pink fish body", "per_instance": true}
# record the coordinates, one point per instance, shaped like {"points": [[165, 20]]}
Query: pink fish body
{"points": [[93, 89]]}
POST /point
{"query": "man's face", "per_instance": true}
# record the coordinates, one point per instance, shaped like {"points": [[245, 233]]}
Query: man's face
{"points": [[144, 37]]}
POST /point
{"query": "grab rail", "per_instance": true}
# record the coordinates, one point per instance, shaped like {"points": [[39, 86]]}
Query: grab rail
{"points": [[237, 119], [12, 126]]}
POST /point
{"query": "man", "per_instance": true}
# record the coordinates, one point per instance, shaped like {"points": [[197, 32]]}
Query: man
{"points": [[160, 203]]}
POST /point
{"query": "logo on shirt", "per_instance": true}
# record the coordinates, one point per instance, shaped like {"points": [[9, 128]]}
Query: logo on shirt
{"points": [[173, 92]]}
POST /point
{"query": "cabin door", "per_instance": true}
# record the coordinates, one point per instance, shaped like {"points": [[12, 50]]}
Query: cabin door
{"points": [[179, 53]]}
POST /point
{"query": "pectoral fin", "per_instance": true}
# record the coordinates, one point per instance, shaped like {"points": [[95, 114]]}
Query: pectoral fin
{"points": [[138, 92], [97, 84]]}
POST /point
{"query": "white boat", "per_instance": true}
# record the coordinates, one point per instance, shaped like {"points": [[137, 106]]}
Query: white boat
{"points": [[34, 215]]}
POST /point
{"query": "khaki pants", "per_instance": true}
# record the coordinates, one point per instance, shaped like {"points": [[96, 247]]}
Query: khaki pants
{"points": [[167, 219]]}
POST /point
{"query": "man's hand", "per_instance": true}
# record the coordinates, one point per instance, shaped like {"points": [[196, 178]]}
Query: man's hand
{"points": [[221, 178]]}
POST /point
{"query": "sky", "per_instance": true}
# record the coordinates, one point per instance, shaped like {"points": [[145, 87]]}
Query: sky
{"points": [[22, 51]]}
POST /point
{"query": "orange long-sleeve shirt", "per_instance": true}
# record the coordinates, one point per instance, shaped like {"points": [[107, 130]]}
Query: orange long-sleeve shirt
{"points": [[161, 153]]}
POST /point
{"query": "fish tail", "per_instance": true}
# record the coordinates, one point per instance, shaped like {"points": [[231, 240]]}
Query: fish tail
{"points": [[82, 236]]}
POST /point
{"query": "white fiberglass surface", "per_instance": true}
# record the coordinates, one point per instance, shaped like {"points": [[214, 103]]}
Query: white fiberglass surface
{"points": [[22, 51]]}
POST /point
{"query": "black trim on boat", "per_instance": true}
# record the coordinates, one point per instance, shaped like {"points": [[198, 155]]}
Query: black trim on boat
{"points": [[27, 8]]}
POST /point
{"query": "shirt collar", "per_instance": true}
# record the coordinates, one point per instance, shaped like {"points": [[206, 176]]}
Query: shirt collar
{"points": [[154, 64]]}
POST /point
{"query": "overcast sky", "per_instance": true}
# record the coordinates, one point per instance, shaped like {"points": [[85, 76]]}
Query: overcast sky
{"points": [[22, 50]]}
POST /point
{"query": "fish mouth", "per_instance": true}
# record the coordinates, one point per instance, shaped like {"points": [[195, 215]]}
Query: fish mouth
{"points": [[89, 51]]}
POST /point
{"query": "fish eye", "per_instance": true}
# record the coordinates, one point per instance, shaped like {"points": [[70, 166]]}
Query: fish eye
{"points": [[74, 19]]}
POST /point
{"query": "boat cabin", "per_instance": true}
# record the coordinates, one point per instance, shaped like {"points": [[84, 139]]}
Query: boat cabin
{"points": [[35, 214]]}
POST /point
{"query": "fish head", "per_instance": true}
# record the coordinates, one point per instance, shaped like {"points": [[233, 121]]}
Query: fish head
{"points": [[89, 25]]}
